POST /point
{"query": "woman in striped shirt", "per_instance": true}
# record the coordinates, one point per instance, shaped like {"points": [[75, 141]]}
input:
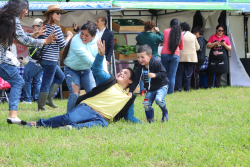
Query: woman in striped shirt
{"points": [[53, 75]]}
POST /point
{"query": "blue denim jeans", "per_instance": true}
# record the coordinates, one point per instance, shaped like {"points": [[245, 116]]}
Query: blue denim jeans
{"points": [[10, 74], [81, 116], [83, 78], [51, 71], [157, 96], [170, 62], [32, 71]]}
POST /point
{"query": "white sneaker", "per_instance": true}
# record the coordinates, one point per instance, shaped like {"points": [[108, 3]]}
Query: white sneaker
{"points": [[25, 102], [67, 127]]}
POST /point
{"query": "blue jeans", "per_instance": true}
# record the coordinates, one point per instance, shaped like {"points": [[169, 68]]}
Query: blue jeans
{"points": [[185, 71], [81, 116], [32, 71], [170, 62], [157, 96], [10, 74], [51, 70], [83, 78]]}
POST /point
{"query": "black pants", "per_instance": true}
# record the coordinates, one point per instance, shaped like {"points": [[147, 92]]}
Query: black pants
{"points": [[210, 80], [185, 70], [195, 81]]}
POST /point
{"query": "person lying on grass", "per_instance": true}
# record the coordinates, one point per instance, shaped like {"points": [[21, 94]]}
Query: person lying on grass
{"points": [[155, 81], [108, 101]]}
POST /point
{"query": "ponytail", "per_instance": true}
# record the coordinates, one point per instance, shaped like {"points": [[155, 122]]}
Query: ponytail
{"points": [[66, 50], [175, 35]]}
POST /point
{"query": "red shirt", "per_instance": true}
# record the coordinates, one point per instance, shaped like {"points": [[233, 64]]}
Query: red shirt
{"points": [[165, 48], [215, 37]]}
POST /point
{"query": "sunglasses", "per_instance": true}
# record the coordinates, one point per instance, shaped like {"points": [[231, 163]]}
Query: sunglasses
{"points": [[220, 30], [58, 13]]}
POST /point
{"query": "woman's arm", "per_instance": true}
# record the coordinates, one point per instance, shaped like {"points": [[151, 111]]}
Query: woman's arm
{"points": [[197, 46], [211, 45], [228, 47]]}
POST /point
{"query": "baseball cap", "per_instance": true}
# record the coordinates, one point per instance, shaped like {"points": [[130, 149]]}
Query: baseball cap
{"points": [[37, 22]]}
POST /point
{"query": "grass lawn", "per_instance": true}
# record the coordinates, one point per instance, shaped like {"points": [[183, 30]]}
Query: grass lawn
{"points": [[206, 128]]}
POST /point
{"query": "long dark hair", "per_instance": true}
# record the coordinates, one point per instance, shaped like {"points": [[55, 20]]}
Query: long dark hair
{"points": [[87, 26], [175, 35], [8, 14], [50, 20]]}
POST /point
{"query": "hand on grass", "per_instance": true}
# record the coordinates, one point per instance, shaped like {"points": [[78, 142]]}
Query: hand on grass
{"points": [[151, 75]]}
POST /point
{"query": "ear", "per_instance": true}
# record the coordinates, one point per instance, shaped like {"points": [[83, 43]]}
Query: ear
{"points": [[150, 56], [130, 81]]}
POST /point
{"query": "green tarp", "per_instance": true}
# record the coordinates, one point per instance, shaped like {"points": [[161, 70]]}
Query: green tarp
{"points": [[174, 5]]}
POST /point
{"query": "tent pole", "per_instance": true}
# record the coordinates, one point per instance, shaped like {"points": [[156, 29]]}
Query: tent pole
{"points": [[229, 53], [113, 64]]}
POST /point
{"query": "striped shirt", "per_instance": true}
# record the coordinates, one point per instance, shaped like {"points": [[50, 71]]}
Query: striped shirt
{"points": [[22, 38], [51, 51]]}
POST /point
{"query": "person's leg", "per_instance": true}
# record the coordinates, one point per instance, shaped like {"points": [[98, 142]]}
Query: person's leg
{"points": [[80, 114], [159, 100], [59, 77], [87, 80], [179, 74], [37, 81], [210, 80], [173, 65], [148, 101], [195, 81], [189, 67], [28, 74], [141, 87], [10, 74], [73, 82], [49, 69], [217, 80]]}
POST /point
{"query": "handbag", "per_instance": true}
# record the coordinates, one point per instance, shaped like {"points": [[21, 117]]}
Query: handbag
{"points": [[37, 53], [4, 84]]}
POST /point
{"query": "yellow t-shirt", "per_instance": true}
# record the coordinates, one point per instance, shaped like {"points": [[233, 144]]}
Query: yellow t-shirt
{"points": [[109, 102]]}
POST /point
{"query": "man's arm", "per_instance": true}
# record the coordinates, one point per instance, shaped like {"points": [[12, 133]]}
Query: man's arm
{"points": [[110, 46], [137, 79], [97, 68], [129, 116]]}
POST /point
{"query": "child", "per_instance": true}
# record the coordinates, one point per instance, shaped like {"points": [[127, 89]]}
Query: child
{"points": [[155, 81]]}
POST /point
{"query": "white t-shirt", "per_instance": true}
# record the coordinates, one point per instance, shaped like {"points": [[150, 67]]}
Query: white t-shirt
{"points": [[100, 33]]}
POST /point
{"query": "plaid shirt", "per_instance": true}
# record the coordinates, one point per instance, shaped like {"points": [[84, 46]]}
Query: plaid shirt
{"points": [[22, 38]]}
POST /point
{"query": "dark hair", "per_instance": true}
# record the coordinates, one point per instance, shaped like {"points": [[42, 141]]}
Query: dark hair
{"points": [[104, 20], [145, 48], [90, 27], [218, 26], [185, 26], [199, 30], [8, 14], [149, 25], [132, 73], [175, 35], [50, 20], [87, 26]]}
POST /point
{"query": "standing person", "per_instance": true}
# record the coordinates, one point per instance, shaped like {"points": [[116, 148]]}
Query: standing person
{"points": [[50, 58], [155, 80], [106, 102], [201, 54], [218, 63], [187, 59], [106, 35], [153, 40], [147, 37], [32, 72], [173, 42], [11, 30], [79, 56]]}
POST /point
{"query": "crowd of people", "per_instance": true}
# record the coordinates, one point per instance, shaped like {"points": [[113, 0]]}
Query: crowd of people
{"points": [[87, 56]]}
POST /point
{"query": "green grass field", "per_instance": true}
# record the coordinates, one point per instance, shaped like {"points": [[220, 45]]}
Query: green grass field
{"points": [[206, 128]]}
